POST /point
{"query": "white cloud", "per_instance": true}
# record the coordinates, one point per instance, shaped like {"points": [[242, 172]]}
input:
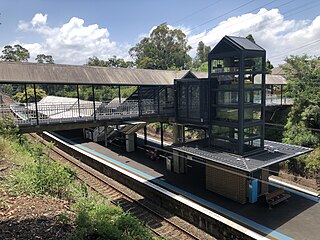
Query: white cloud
{"points": [[270, 29], [184, 29], [39, 19], [73, 42]]}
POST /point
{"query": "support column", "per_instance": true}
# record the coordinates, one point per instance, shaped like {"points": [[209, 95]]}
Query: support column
{"points": [[35, 102], [130, 142], [139, 101], [94, 103], [78, 96], [265, 179], [106, 135], [158, 96], [145, 135], [179, 162], [26, 95], [161, 131], [178, 133], [281, 92], [119, 93]]}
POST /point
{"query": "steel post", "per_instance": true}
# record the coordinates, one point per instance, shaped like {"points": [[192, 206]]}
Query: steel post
{"points": [[78, 96], [35, 101], [94, 103]]}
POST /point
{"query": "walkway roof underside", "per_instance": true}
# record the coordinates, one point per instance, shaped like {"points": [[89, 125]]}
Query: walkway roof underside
{"points": [[13, 72], [274, 153]]}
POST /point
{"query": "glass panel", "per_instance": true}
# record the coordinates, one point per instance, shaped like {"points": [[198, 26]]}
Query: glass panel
{"points": [[230, 64], [225, 132], [252, 145], [253, 64], [194, 101], [252, 114], [251, 132], [224, 97], [227, 114], [228, 82], [253, 96], [182, 101], [252, 80]]}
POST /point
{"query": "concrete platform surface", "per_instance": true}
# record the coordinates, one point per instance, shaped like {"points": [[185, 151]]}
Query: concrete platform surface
{"points": [[299, 218]]}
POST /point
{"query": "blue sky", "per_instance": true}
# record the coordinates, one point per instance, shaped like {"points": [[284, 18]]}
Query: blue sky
{"points": [[71, 31]]}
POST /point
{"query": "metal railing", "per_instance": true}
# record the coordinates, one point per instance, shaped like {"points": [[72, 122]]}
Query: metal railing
{"points": [[26, 114], [275, 99]]}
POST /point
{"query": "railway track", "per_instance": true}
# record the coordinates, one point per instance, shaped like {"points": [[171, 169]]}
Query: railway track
{"points": [[156, 218]]}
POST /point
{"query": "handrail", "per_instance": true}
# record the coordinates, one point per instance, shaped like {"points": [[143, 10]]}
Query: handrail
{"points": [[65, 112]]}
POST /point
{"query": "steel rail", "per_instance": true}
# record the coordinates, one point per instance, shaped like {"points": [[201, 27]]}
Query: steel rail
{"points": [[174, 232]]}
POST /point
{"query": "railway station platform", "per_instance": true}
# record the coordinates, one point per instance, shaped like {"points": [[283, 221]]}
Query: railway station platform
{"points": [[296, 219]]}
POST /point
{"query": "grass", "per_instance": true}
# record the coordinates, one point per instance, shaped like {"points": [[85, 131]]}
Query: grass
{"points": [[35, 174]]}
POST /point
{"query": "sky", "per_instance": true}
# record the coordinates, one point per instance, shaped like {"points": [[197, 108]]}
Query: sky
{"points": [[74, 30]]}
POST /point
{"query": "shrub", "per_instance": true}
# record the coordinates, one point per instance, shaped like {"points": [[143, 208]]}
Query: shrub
{"points": [[97, 219], [7, 128], [42, 176]]}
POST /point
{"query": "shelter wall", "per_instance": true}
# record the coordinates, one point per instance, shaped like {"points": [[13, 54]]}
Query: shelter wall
{"points": [[225, 183]]}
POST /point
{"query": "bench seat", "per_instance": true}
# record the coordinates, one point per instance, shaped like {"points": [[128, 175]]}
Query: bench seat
{"points": [[277, 196]]}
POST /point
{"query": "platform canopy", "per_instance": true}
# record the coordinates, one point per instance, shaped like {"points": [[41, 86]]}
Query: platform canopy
{"points": [[273, 153], [20, 73]]}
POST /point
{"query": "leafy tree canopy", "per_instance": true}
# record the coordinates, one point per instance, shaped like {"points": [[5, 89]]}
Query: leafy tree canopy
{"points": [[42, 58], [269, 67], [250, 37], [111, 62], [201, 55], [21, 97], [165, 48], [17, 53], [303, 73], [202, 52]]}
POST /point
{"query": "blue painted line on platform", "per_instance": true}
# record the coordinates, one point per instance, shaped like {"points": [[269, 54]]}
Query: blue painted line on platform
{"points": [[270, 232]]}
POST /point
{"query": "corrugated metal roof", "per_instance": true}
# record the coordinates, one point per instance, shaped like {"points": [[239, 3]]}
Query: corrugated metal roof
{"points": [[274, 153], [271, 79], [55, 107], [16, 72], [278, 71], [245, 43]]}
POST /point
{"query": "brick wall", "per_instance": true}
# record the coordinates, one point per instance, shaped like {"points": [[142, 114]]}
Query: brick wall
{"points": [[264, 177], [227, 184]]}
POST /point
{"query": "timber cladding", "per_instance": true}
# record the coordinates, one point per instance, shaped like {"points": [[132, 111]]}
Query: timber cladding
{"points": [[225, 183]]}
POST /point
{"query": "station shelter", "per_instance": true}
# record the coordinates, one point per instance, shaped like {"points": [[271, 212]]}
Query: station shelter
{"points": [[230, 104]]}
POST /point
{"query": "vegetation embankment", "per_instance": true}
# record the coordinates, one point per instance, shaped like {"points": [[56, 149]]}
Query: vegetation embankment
{"points": [[303, 122], [54, 204]]}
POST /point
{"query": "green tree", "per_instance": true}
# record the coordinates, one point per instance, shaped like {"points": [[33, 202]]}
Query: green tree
{"points": [[202, 52], [251, 38], [201, 55], [303, 74], [269, 67], [111, 62], [17, 53], [21, 97], [42, 58], [163, 49]]}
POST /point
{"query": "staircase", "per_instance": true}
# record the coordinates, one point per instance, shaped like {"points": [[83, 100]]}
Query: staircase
{"points": [[99, 134]]}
